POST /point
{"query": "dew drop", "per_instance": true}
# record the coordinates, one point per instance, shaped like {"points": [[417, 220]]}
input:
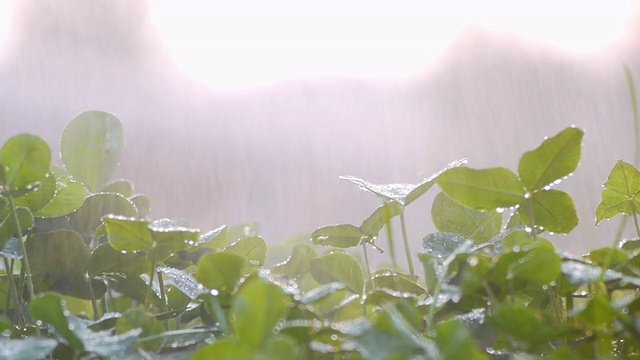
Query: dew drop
{"points": [[527, 195], [123, 251], [39, 322], [499, 210], [516, 248], [548, 187], [545, 287], [551, 233], [213, 292], [528, 229], [334, 337], [255, 262], [473, 261]]}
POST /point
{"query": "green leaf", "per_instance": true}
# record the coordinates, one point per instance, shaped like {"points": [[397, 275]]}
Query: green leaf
{"points": [[104, 343], [220, 271], [182, 280], [318, 293], [223, 349], [59, 260], [443, 245], [372, 225], [49, 308], [598, 311], [89, 216], [170, 237], [91, 146], [609, 256], [482, 189], [69, 196], [620, 190], [257, 308], [215, 239], [280, 347], [107, 260], [478, 226], [252, 249], [404, 194], [522, 324], [298, 263], [40, 196], [122, 187], [397, 283], [430, 265], [9, 228], [338, 267], [455, 341], [25, 159], [552, 210], [138, 318], [342, 236], [142, 204], [556, 157], [538, 265], [32, 348], [128, 234]]}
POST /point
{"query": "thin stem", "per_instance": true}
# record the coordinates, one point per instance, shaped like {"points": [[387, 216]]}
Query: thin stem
{"points": [[635, 221], [25, 256], [147, 302], [406, 245], [13, 292], [366, 259], [164, 299], [174, 333], [533, 222], [389, 231], [94, 302]]}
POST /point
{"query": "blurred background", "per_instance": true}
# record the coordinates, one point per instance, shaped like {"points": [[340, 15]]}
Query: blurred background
{"points": [[241, 111]]}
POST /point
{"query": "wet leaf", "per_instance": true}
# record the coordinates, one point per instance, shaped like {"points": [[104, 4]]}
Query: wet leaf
{"points": [[91, 146], [538, 265], [455, 341], [31, 348], [12, 249], [552, 210], [49, 308], [608, 256], [280, 347], [122, 187], [142, 204], [9, 228], [298, 263], [170, 237], [220, 271], [107, 260], [619, 193], [396, 282], [522, 324], [128, 234], [69, 196], [372, 225], [223, 349], [215, 239], [137, 318], [404, 194], [184, 281], [59, 260], [442, 245], [598, 311], [25, 159], [256, 310], [485, 189], [41, 194], [338, 267], [555, 158], [252, 249], [478, 226], [321, 292], [89, 216], [342, 236]]}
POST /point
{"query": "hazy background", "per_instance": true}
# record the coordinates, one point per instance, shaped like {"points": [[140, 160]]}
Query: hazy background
{"points": [[249, 111]]}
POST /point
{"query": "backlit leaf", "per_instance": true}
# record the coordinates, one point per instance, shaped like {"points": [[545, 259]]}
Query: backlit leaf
{"points": [[619, 195], [554, 158], [342, 236], [552, 210], [91, 146], [485, 189], [338, 267], [25, 159], [478, 226]]}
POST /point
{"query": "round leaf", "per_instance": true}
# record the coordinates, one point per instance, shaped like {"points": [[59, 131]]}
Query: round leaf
{"points": [[91, 146], [25, 159], [478, 226], [342, 236], [482, 189], [68, 197], [338, 267], [552, 210], [220, 271]]}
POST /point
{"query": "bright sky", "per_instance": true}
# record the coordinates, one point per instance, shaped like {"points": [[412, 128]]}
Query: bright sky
{"points": [[248, 43]]}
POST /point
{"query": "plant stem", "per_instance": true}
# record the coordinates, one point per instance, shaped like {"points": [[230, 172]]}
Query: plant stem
{"points": [[25, 256], [406, 245], [635, 220], [164, 299], [389, 231], [94, 302], [13, 292], [147, 302], [366, 259]]}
